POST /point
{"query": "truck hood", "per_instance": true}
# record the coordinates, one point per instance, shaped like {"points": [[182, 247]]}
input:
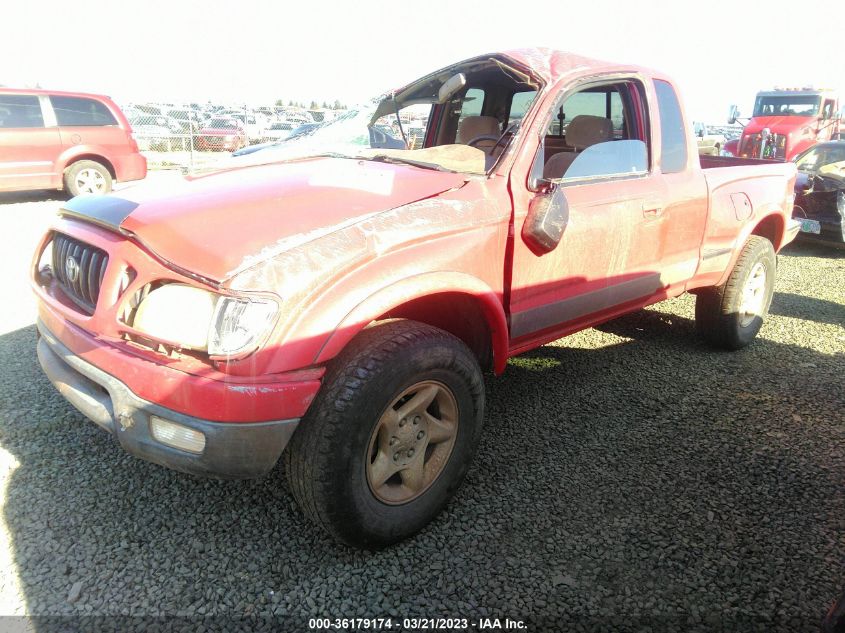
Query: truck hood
{"points": [[778, 124], [214, 224]]}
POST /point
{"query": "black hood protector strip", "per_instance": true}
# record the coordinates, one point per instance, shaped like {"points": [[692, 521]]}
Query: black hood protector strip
{"points": [[105, 211]]}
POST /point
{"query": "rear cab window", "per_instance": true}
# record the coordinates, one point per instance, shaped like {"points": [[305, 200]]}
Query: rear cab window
{"points": [[673, 139], [20, 111], [473, 103], [81, 112]]}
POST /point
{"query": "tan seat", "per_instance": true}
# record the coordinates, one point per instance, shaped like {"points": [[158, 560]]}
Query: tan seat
{"points": [[473, 126], [582, 132]]}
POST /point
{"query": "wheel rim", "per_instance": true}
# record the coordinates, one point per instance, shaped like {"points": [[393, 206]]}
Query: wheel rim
{"points": [[412, 442], [753, 295], [90, 181]]}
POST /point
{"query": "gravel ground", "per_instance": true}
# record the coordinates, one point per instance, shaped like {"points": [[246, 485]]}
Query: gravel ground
{"points": [[629, 478]]}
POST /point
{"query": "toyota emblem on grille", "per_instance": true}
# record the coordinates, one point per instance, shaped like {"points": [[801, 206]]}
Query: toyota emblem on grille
{"points": [[71, 269]]}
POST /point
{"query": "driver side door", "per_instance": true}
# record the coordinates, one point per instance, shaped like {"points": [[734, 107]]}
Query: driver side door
{"points": [[606, 256]]}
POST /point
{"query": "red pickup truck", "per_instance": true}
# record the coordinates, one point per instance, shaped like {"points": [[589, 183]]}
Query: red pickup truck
{"points": [[342, 299]]}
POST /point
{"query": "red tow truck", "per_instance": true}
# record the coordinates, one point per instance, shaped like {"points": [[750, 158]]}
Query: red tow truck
{"points": [[785, 122], [339, 297]]}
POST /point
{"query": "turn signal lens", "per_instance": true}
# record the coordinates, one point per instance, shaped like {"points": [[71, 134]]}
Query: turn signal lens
{"points": [[176, 435]]}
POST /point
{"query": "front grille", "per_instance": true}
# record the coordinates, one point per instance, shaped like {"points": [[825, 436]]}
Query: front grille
{"points": [[79, 269], [753, 143]]}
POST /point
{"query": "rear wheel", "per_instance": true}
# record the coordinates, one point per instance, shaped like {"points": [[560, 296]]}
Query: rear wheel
{"points": [[390, 436], [730, 316], [87, 176]]}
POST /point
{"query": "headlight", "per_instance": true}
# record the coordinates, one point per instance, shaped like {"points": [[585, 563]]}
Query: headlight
{"points": [[177, 314], [201, 320], [239, 324]]}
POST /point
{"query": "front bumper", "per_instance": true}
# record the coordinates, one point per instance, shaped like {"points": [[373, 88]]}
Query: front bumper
{"points": [[232, 450]]}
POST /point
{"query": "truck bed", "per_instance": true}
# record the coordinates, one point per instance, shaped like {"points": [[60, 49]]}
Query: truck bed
{"points": [[720, 171], [711, 162]]}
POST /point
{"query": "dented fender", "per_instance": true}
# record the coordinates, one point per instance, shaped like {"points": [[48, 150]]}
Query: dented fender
{"points": [[421, 287]]}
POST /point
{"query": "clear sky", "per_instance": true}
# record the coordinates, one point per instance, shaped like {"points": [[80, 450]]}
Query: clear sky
{"points": [[256, 51]]}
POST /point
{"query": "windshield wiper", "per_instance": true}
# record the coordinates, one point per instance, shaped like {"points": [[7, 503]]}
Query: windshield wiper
{"points": [[384, 158]]}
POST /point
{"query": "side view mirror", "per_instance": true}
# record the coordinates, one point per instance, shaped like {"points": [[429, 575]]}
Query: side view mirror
{"points": [[733, 114], [548, 215]]}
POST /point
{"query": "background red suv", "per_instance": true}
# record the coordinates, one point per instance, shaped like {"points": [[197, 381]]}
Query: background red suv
{"points": [[65, 140]]}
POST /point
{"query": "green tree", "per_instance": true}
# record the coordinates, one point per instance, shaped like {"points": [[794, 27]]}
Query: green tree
{"points": [[280, 102]]}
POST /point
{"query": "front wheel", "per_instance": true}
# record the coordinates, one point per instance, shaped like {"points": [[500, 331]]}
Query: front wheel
{"points": [[730, 316], [390, 436]]}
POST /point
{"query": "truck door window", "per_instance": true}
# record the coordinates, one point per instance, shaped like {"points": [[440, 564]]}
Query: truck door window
{"points": [[673, 140], [597, 132], [606, 103], [17, 111]]}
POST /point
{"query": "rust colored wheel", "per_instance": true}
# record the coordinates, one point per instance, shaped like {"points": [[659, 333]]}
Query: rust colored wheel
{"points": [[412, 442], [389, 438]]}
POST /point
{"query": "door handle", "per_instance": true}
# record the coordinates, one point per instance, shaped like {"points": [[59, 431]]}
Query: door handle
{"points": [[652, 209]]}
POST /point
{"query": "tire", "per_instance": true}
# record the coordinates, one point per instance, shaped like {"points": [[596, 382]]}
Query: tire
{"points": [[87, 176], [335, 452], [730, 316]]}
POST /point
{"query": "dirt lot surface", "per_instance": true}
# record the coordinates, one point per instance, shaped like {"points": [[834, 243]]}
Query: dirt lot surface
{"points": [[629, 478]]}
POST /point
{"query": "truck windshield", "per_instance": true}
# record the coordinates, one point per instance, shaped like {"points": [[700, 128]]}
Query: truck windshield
{"points": [[787, 105], [357, 134]]}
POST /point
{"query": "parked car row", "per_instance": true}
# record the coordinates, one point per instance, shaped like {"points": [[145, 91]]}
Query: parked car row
{"points": [[170, 127]]}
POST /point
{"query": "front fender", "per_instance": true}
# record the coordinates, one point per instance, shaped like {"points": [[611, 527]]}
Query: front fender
{"points": [[420, 287]]}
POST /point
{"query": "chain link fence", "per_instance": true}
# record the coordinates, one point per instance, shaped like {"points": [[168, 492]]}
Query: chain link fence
{"points": [[193, 136]]}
